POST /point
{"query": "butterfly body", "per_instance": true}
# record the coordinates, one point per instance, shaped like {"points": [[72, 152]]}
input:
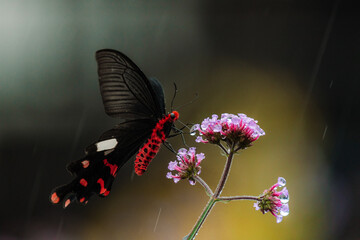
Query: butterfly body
{"points": [[139, 101], [152, 146]]}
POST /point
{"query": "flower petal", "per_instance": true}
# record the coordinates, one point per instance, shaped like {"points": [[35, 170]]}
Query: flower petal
{"points": [[172, 165], [256, 206], [192, 182], [169, 175], [200, 156]]}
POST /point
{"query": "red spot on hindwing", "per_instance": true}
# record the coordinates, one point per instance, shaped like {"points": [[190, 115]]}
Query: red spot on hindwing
{"points": [[113, 167], [85, 163], [67, 203], [83, 182], [103, 190], [54, 198]]}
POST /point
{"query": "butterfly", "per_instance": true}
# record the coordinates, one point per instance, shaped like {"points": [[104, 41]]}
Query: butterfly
{"points": [[139, 101]]}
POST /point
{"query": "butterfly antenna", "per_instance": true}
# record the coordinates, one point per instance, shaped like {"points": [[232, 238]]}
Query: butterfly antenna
{"points": [[193, 100], [172, 101]]}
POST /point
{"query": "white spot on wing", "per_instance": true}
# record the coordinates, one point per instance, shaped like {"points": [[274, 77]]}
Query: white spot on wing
{"points": [[106, 145]]}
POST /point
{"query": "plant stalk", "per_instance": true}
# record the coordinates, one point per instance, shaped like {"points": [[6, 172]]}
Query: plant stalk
{"points": [[201, 219], [208, 190], [214, 198], [225, 173], [233, 198]]}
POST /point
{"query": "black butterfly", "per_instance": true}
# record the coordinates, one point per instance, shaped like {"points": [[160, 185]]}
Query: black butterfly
{"points": [[127, 94]]}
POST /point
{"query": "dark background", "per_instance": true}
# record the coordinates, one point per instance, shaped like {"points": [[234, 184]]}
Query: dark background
{"points": [[292, 65]]}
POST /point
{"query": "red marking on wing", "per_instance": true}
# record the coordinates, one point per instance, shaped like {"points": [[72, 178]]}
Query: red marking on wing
{"points": [[67, 202], [113, 167], [54, 198], [152, 146], [101, 182], [82, 199], [85, 163], [103, 190], [83, 182]]}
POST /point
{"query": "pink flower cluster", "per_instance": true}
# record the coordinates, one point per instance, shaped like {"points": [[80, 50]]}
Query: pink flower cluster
{"points": [[186, 166], [231, 128], [275, 202]]}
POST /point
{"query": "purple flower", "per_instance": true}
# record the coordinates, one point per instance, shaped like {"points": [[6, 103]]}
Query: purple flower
{"points": [[238, 129], [186, 166], [275, 202]]}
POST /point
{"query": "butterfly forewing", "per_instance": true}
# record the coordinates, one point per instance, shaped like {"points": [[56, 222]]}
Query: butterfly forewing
{"points": [[159, 93], [125, 90]]}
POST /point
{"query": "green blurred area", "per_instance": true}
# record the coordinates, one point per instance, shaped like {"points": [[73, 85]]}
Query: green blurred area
{"points": [[257, 58]]}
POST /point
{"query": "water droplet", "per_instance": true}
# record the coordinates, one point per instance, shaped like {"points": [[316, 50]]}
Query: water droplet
{"points": [[192, 182], [281, 181], [193, 130], [284, 198], [284, 210]]}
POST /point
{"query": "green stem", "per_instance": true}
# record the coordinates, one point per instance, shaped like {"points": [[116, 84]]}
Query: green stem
{"points": [[208, 190], [225, 173], [201, 219], [223, 148], [233, 198], [214, 198]]}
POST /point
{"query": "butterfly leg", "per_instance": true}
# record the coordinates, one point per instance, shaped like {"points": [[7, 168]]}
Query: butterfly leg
{"points": [[179, 132], [169, 146]]}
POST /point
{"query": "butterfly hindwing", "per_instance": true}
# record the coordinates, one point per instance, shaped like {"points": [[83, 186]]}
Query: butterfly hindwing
{"points": [[95, 176], [95, 172]]}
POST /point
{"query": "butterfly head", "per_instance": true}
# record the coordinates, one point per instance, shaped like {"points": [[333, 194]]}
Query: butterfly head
{"points": [[174, 115]]}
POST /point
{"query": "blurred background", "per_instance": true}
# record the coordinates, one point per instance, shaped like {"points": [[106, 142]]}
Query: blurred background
{"points": [[292, 65]]}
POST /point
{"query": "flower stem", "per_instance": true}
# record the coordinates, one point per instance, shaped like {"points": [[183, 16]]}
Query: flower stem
{"points": [[215, 197], [201, 219], [232, 198], [223, 148], [225, 173], [208, 190]]}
